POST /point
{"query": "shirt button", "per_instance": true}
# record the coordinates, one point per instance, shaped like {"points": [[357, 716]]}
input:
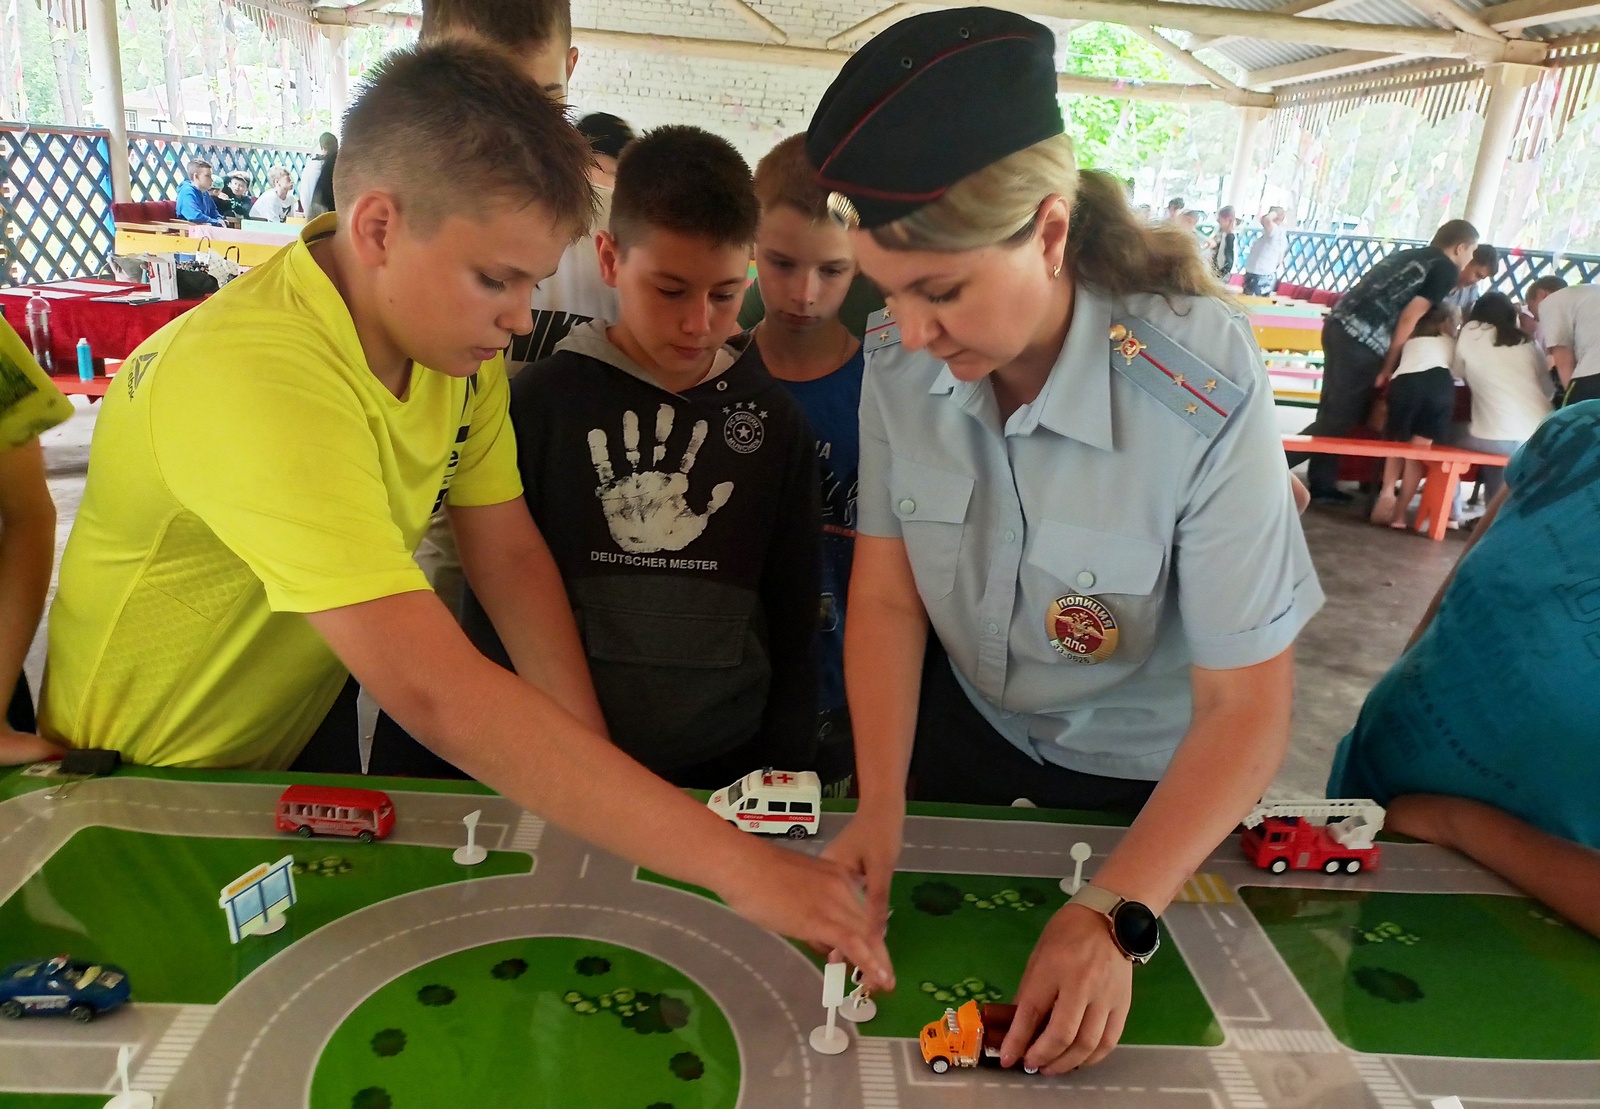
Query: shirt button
{"points": [[908, 506], [1011, 537], [1085, 580], [994, 629]]}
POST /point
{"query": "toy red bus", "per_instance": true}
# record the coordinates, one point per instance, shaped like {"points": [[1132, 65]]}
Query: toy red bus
{"points": [[365, 814]]}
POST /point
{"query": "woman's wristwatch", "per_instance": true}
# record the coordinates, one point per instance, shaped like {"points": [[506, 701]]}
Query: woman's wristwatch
{"points": [[1133, 926]]}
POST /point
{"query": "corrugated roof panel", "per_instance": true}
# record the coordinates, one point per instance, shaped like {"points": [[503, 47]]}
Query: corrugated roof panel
{"points": [[1253, 54], [1395, 13]]}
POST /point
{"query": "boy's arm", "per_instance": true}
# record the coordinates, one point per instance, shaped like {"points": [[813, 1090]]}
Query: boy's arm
{"points": [[1562, 874], [27, 551], [791, 594], [515, 579], [1562, 359], [407, 651]]}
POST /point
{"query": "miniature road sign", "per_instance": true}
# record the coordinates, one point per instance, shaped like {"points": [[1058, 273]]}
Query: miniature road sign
{"points": [[1451, 1102], [858, 1007], [256, 901], [1081, 853], [129, 1098], [830, 1039], [472, 853]]}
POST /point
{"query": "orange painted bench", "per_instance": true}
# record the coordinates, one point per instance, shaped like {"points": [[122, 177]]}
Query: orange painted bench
{"points": [[1445, 465]]}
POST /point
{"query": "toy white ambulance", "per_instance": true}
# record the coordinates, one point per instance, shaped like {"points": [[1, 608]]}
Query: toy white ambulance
{"points": [[772, 802]]}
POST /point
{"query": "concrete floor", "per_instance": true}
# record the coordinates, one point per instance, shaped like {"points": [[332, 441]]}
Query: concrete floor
{"points": [[1378, 583]]}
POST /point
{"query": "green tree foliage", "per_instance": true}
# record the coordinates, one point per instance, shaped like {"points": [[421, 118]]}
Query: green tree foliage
{"points": [[687, 1066], [388, 1041], [1117, 136], [373, 1097], [1388, 985], [436, 995]]}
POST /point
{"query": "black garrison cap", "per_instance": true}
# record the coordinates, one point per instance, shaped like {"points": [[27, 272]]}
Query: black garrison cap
{"points": [[931, 100]]}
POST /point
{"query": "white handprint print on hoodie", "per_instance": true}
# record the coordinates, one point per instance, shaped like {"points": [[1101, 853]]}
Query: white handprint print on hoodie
{"points": [[646, 510]]}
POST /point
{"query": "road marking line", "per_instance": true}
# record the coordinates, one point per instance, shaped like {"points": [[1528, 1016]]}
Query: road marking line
{"points": [[583, 871], [167, 1057], [1290, 1041], [1381, 1082], [1237, 1083], [1207, 889], [878, 1087], [530, 830]]}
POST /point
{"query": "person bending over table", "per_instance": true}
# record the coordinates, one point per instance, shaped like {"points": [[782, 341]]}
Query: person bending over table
{"points": [[264, 469], [1069, 465], [1484, 737], [30, 405]]}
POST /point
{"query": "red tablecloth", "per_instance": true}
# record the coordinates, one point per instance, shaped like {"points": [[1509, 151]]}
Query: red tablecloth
{"points": [[113, 330]]}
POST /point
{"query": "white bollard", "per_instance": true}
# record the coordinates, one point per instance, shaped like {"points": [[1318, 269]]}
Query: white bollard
{"points": [[1081, 853], [129, 1098], [472, 853]]}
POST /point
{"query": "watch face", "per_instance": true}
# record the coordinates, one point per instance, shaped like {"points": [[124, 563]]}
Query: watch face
{"points": [[1135, 928]]}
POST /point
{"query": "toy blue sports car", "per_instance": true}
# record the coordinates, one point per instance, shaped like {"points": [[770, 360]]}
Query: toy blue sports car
{"points": [[80, 990]]}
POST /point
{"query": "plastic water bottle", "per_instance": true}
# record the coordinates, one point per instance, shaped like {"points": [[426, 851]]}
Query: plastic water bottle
{"points": [[39, 332], [85, 361]]}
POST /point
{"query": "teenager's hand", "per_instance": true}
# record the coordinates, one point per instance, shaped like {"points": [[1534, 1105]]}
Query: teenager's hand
{"points": [[21, 748], [813, 900], [1077, 987], [869, 848]]}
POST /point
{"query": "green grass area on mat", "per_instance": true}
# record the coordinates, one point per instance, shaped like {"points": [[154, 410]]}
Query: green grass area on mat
{"points": [[980, 932], [52, 1101], [471, 1027], [1469, 975], [148, 903]]}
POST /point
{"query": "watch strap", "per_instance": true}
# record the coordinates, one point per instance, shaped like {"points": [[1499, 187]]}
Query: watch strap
{"points": [[1102, 901]]}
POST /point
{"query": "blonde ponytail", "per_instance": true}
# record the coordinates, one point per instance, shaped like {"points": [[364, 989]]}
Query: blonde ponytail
{"points": [[1108, 245]]}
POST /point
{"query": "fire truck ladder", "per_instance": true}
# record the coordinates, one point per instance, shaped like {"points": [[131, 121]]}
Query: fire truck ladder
{"points": [[1351, 823]]}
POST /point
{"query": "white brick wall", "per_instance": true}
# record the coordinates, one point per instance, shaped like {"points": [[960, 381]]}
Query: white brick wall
{"points": [[751, 104]]}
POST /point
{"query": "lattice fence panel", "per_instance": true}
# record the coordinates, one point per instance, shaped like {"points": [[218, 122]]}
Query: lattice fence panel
{"points": [[55, 202], [1336, 262], [157, 162]]}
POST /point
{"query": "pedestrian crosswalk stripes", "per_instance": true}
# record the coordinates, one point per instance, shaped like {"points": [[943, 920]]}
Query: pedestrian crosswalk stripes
{"points": [[1211, 889]]}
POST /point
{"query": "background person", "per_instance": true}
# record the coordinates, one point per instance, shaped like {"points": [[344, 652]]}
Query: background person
{"points": [[275, 204], [1365, 332], [1510, 382], [195, 202], [1569, 324], [1220, 252], [1266, 255], [327, 146], [608, 137]]}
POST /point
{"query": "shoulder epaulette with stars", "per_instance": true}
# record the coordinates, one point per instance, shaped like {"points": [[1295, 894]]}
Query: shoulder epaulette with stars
{"points": [[882, 331], [1156, 363]]}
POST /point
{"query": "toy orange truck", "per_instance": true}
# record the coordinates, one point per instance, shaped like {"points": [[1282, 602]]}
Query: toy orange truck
{"points": [[967, 1037]]}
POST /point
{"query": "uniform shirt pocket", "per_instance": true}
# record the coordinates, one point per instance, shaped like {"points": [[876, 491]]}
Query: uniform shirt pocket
{"points": [[931, 505], [1096, 562]]}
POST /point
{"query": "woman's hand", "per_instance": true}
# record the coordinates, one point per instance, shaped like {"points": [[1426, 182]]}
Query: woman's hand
{"points": [[869, 848], [1077, 987]]}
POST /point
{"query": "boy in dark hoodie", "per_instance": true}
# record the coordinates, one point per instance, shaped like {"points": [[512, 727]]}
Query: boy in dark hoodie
{"points": [[675, 482]]}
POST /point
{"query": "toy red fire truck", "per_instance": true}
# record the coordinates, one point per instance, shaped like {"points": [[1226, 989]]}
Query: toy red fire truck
{"points": [[1330, 836]]}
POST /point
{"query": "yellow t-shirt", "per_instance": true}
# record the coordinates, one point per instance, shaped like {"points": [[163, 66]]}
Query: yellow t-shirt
{"points": [[30, 404], [247, 468]]}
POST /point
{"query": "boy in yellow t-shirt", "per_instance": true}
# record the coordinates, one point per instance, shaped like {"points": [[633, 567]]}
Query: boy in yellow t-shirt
{"points": [[29, 406], [266, 464]]}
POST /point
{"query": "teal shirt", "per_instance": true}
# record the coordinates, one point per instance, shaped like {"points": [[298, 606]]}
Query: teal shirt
{"points": [[1495, 700], [1166, 502]]}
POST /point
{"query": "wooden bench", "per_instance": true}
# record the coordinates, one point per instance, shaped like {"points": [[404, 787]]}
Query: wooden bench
{"points": [[1445, 465]]}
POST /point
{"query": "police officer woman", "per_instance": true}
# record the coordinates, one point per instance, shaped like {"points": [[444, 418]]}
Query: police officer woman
{"points": [[1069, 465]]}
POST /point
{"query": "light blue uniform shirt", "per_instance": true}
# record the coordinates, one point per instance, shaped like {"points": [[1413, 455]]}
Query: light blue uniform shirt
{"points": [[1153, 483]]}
